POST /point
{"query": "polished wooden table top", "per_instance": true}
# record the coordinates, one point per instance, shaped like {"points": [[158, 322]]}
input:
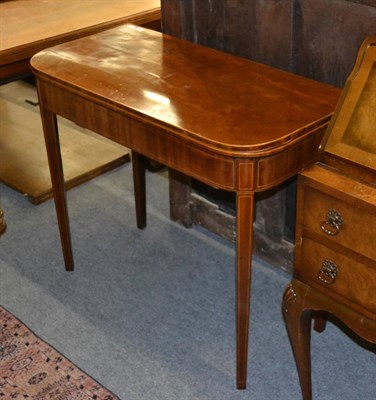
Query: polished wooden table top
{"points": [[227, 121], [227, 103], [27, 27]]}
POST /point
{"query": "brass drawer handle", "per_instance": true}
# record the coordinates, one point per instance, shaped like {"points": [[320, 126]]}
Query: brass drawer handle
{"points": [[328, 272], [333, 223]]}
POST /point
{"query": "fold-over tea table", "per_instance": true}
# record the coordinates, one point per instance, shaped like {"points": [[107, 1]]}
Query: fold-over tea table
{"points": [[226, 121]]}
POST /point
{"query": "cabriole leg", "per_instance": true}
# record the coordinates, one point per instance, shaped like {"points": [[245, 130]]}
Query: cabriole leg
{"points": [[298, 322]]}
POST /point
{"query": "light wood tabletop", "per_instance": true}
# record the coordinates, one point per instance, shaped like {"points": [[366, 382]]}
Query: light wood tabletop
{"points": [[27, 27]]}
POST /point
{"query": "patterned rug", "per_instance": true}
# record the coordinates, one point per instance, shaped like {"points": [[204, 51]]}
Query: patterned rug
{"points": [[31, 369]]}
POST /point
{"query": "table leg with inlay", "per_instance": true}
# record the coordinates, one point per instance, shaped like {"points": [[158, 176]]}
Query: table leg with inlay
{"points": [[244, 230]]}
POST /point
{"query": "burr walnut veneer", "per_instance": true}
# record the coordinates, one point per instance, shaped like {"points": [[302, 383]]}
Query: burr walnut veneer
{"points": [[335, 251], [229, 122]]}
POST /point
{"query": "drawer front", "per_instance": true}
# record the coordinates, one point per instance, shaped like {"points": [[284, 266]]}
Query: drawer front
{"points": [[340, 222], [333, 272]]}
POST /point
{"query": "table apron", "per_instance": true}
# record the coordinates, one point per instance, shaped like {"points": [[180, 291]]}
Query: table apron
{"points": [[157, 143], [277, 168], [199, 161]]}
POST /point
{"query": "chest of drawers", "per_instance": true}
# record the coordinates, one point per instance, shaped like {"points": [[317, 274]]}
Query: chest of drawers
{"points": [[335, 246], [336, 251]]}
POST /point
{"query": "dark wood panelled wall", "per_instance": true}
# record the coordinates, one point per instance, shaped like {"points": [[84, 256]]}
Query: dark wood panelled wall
{"points": [[315, 38]]}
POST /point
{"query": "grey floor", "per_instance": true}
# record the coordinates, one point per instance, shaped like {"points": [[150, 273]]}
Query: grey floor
{"points": [[150, 314]]}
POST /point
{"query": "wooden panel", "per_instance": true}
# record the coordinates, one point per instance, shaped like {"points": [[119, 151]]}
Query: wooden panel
{"points": [[260, 30], [328, 35], [177, 18], [316, 38]]}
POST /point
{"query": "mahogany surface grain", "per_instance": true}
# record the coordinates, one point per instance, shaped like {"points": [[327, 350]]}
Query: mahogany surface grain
{"points": [[249, 108], [201, 112]]}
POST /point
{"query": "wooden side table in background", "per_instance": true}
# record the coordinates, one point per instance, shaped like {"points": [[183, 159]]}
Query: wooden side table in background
{"points": [[25, 28]]}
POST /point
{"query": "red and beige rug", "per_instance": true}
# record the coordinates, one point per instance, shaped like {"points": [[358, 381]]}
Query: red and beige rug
{"points": [[31, 369]]}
